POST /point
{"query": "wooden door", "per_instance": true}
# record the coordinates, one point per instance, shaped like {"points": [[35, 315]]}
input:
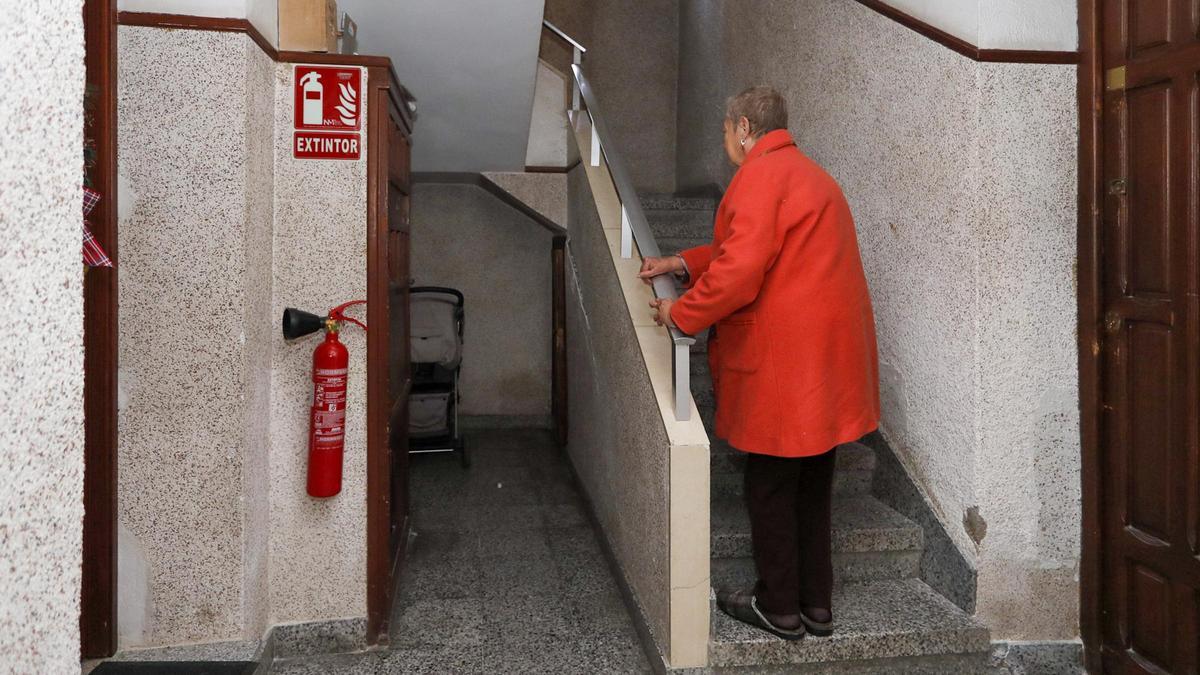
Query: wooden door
{"points": [[1149, 582]]}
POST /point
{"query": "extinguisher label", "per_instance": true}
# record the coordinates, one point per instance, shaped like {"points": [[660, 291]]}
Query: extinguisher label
{"points": [[329, 407]]}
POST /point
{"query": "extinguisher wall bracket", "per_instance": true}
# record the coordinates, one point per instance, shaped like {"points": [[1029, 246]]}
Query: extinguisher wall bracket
{"points": [[298, 323]]}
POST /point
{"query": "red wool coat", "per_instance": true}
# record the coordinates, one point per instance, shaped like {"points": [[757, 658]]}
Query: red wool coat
{"points": [[793, 360]]}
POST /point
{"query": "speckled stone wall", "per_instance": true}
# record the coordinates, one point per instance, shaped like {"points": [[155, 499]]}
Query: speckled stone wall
{"points": [[622, 460], [1028, 454], [220, 230], [466, 238], [183, 113], [699, 160], [261, 330], [41, 421], [318, 547], [961, 176], [632, 61]]}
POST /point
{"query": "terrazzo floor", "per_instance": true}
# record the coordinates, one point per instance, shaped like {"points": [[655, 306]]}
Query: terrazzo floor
{"points": [[505, 573]]}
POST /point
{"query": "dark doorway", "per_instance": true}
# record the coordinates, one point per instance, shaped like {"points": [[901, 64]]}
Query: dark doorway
{"points": [[98, 601], [1140, 334]]}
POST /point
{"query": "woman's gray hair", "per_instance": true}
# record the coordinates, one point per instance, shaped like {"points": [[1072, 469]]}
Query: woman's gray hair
{"points": [[763, 106]]}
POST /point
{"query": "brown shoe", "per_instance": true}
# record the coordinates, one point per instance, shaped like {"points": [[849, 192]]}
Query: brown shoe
{"points": [[742, 606], [816, 628]]}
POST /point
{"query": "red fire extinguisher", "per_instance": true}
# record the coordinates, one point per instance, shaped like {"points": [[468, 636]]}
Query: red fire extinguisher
{"points": [[327, 417]]}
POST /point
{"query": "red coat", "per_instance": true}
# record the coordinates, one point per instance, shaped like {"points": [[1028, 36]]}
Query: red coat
{"points": [[793, 360]]}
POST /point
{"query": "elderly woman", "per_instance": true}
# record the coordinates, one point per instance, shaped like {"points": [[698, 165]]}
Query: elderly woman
{"points": [[792, 354]]}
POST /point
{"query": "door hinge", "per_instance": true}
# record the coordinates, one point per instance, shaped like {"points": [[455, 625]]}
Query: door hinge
{"points": [[1114, 79], [1118, 186], [1113, 322]]}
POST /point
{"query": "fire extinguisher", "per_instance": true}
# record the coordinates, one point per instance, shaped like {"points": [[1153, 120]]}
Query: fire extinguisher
{"points": [[327, 416]]}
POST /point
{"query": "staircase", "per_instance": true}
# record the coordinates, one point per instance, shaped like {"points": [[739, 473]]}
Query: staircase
{"points": [[888, 620]]}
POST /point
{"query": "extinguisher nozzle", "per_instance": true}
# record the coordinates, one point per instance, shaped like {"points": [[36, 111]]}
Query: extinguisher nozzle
{"points": [[298, 323]]}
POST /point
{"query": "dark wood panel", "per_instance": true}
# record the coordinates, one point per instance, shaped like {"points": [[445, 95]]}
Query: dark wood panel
{"points": [[1146, 211], [399, 163], [1149, 25], [558, 319], [1151, 605], [98, 600], [1149, 424]]}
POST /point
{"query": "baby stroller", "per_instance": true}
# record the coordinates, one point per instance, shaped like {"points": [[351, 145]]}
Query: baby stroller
{"points": [[437, 345]]}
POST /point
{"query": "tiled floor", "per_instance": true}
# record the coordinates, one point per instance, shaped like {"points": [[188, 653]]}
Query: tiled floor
{"points": [[505, 574]]}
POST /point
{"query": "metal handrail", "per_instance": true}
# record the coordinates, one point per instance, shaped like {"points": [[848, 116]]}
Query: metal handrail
{"points": [[634, 225], [664, 286], [567, 38]]}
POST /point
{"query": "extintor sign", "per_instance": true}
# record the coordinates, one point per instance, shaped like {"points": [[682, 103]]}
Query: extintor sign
{"points": [[329, 105], [308, 145], [328, 98]]}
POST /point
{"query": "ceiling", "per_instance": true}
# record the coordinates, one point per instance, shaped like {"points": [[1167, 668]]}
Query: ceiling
{"points": [[471, 64]]}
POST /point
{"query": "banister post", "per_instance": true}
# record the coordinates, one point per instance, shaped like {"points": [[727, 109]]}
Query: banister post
{"points": [[626, 234], [681, 367], [595, 145], [577, 59]]}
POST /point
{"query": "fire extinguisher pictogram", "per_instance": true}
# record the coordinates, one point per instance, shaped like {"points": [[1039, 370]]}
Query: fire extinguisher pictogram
{"points": [[327, 416]]}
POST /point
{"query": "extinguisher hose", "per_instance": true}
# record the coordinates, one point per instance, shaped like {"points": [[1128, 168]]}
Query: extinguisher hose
{"points": [[339, 313]]}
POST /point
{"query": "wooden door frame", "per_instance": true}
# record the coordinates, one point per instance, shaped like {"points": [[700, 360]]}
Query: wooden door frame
{"points": [[98, 599], [1091, 166]]}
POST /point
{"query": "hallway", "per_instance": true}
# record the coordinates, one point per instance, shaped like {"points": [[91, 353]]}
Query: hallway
{"points": [[505, 573]]}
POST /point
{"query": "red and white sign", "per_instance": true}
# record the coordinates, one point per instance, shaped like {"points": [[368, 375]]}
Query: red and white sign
{"points": [[309, 145], [328, 98]]}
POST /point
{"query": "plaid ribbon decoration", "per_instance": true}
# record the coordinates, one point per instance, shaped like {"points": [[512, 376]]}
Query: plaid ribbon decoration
{"points": [[93, 253]]}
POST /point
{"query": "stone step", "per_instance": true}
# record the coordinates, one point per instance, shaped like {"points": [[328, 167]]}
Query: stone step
{"points": [[886, 626], [861, 524], [664, 202], [847, 568], [851, 457], [845, 483], [676, 224]]}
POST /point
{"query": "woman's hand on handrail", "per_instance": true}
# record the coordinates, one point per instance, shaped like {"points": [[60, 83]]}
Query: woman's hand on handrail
{"points": [[662, 314], [655, 267]]}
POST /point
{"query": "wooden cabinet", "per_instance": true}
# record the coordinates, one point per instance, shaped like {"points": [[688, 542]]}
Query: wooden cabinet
{"points": [[388, 380]]}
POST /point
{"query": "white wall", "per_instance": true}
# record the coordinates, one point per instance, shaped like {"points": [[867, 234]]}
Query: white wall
{"points": [[1001, 24], [548, 125], [471, 64], [223, 8], [41, 364], [263, 14], [1029, 24]]}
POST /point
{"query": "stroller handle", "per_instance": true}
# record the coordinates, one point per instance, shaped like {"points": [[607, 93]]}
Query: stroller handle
{"points": [[439, 289]]}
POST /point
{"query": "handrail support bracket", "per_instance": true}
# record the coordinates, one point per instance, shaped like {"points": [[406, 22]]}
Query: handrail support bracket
{"points": [[626, 235]]}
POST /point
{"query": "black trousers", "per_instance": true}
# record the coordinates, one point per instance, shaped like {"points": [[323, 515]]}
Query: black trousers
{"points": [[789, 503]]}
